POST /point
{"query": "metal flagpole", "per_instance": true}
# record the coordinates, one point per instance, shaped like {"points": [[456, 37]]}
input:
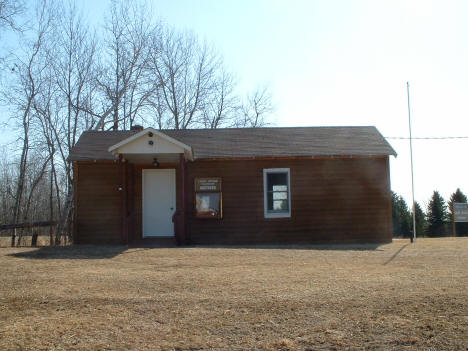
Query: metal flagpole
{"points": [[411, 155]]}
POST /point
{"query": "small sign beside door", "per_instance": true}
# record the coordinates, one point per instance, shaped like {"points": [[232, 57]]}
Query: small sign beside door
{"points": [[208, 198], [208, 184]]}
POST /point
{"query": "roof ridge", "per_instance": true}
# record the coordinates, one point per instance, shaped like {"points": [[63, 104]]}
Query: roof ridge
{"points": [[110, 131], [236, 128], [277, 127]]}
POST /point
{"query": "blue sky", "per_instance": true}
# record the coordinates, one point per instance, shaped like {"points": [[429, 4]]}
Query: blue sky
{"points": [[347, 63]]}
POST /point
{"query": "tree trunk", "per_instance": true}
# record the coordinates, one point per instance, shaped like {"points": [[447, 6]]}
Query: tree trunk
{"points": [[34, 238], [20, 186], [65, 215], [51, 205]]}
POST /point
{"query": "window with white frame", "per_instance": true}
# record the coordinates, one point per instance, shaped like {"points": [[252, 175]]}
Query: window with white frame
{"points": [[277, 194]]}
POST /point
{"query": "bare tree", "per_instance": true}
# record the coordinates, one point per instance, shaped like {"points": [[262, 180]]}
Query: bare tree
{"points": [[34, 178], [257, 107], [74, 73], [185, 71], [123, 83], [47, 112], [222, 107], [27, 83], [7, 176], [157, 102], [9, 12]]}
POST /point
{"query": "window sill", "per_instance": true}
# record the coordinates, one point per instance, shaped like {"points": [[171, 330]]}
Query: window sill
{"points": [[276, 215]]}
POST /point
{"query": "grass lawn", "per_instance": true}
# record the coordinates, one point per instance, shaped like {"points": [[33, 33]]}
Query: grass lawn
{"points": [[397, 296]]}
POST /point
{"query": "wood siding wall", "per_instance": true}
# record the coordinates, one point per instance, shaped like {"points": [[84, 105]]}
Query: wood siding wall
{"points": [[97, 203], [332, 199], [340, 199]]}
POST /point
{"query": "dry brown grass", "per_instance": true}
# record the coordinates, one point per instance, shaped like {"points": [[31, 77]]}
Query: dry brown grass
{"points": [[42, 240], [396, 296]]}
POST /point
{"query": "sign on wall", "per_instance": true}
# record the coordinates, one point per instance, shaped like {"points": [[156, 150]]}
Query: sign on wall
{"points": [[208, 198], [208, 184], [460, 212]]}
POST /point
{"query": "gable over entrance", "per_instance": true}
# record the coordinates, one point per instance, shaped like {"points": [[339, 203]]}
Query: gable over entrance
{"points": [[149, 143]]}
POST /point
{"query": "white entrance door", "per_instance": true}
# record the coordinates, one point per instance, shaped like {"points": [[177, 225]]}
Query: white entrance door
{"points": [[159, 200]]}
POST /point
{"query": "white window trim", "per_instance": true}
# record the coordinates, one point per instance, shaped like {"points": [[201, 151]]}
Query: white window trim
{"points": [[265, 194]]}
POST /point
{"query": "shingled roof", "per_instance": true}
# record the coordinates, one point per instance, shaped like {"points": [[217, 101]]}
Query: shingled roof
{"points": [[251, 142]]}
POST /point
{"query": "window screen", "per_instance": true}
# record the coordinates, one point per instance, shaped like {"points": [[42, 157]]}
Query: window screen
{"points": [[277, 192]]}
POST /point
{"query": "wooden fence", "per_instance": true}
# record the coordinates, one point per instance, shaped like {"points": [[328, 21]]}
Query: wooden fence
{"points": [[28, 225]]}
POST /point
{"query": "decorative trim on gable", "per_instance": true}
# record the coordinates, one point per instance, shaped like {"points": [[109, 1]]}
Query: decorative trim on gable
{"points": [[187, 149]]}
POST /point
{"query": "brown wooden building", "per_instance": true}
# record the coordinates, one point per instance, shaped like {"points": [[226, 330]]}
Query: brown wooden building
{"points": [[233, 186]]}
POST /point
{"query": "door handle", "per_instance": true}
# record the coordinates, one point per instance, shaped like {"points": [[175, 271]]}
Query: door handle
{"points": [[172, 208]]}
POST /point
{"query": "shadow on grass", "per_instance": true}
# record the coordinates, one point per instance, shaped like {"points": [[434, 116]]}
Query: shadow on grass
{"points": [[90, 252], [395, 254], [331, 247], [78, 252]]}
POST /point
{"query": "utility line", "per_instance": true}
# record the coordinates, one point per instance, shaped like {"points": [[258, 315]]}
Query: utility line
{"points": [[430, 138]]}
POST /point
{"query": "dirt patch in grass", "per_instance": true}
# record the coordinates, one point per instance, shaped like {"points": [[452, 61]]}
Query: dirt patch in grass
{"points": [[392, 297]]}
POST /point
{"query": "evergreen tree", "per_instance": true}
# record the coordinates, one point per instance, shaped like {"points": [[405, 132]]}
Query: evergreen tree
{"points": [[400, 216], [395, 215], [421, 221], [458, 196], [436, 215]]}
